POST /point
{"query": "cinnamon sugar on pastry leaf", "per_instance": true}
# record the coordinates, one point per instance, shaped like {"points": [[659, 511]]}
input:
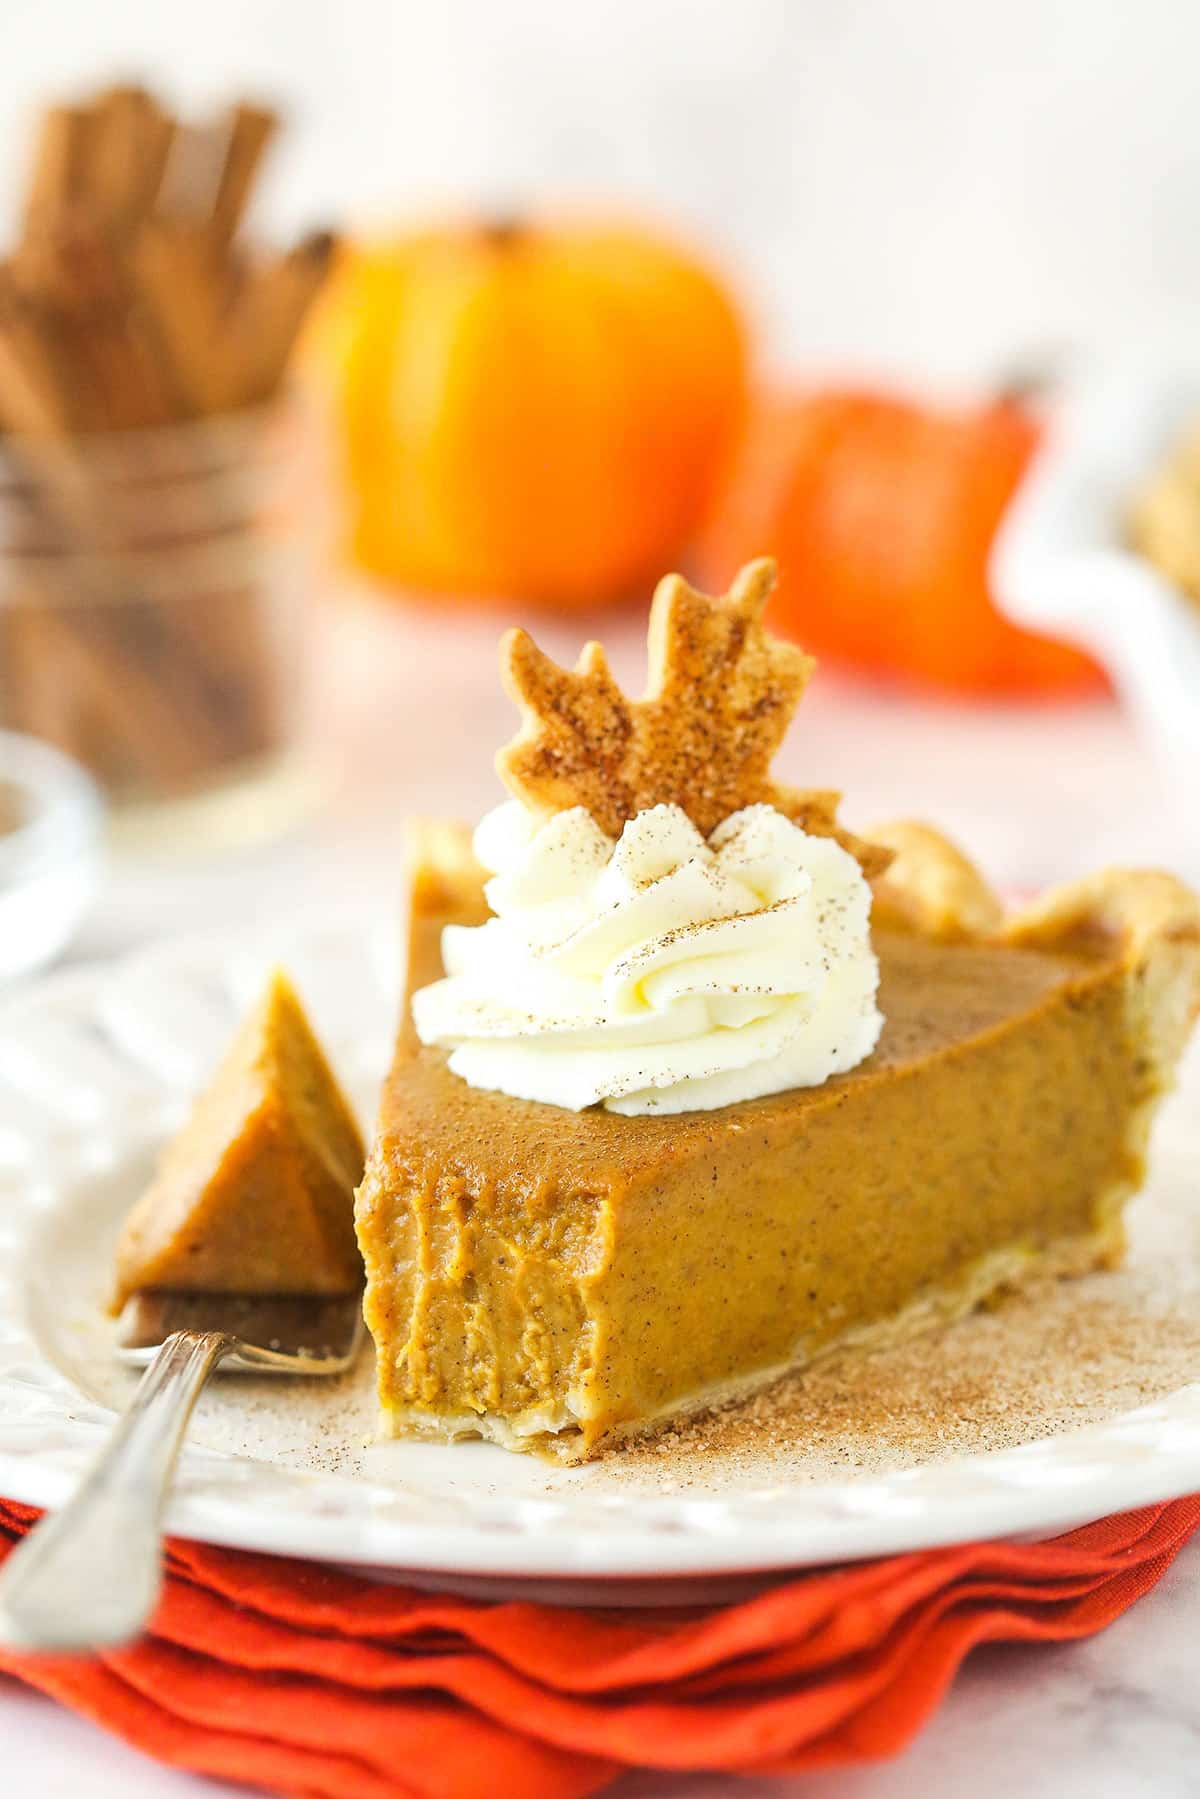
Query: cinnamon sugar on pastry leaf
{"points": [[720, 697]]}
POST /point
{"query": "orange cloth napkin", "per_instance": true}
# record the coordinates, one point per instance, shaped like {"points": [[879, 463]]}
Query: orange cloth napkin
{"points": [[294, 1678]]}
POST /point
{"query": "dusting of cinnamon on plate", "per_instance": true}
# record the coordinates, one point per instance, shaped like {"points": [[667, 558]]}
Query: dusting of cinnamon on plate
{"points": [[1056, 1356]]}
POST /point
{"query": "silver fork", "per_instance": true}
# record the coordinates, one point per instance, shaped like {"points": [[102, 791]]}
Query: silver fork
{"points": [[89, 1575]]}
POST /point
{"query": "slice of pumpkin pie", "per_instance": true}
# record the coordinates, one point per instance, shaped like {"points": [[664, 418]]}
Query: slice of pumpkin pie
{"points": [[692, 1086], [256, 1193]]}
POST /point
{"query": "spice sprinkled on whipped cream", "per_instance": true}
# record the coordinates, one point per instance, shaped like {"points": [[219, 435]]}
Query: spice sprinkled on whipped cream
{"points": [[662, 972]]}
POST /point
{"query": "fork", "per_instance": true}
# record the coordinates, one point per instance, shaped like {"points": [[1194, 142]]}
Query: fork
{"points": [[89, 1575]]}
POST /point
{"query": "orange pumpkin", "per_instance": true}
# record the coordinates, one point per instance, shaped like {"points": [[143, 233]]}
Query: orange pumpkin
{"points": [[525, 412], [881, 513]]}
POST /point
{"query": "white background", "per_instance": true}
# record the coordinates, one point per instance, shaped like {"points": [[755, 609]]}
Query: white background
{"points": [[900, 184]]}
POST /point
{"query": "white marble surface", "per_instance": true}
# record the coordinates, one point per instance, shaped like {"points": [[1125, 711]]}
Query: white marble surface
{"points": [[410, 712]]}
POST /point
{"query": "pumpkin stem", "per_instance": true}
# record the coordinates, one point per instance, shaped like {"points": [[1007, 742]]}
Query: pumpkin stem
{"points": [[501, 230], [1026, 379]]}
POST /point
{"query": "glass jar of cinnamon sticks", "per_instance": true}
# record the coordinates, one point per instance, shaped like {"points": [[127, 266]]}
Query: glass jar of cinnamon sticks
{"points": [[152, 545], [152, 590]]}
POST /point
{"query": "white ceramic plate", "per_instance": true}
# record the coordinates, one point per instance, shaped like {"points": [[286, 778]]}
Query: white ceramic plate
{"points": [[1062, 564], [96, 1066]]}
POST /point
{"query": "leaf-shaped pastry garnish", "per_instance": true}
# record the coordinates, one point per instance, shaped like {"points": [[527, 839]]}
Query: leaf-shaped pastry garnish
{"points": [[720, 697]]}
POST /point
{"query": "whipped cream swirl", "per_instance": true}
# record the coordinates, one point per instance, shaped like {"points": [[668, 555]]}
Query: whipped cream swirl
{"points": [[661, 973]]}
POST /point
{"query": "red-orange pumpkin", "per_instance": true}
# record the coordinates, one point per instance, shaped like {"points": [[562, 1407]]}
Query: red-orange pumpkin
{"points": [[882, 513]]}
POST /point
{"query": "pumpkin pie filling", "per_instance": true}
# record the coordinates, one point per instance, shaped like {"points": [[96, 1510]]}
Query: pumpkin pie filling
{"points": [[254, 1196]]}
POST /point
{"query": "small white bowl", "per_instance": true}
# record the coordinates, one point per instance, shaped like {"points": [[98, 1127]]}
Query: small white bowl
{"points": [[51, 852], [1062, 563]]}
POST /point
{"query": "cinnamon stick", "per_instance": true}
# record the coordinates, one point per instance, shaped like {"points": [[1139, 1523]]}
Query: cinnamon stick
{"points": [[271, 309], [60, 156], [179, 287], [130, 140], [251, 129], [32, 400]]}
